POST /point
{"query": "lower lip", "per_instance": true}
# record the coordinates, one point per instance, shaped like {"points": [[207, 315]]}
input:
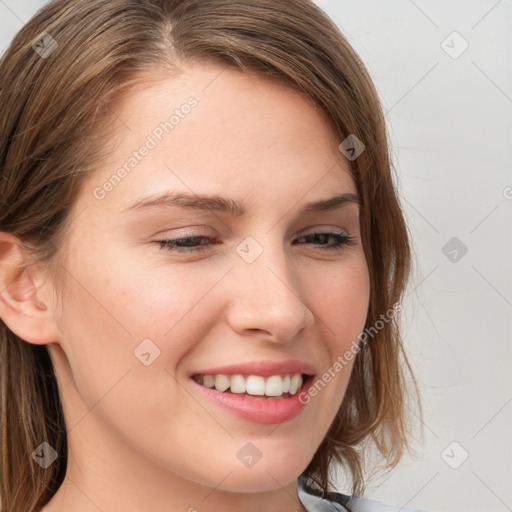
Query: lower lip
{"points": [[266, 411]]}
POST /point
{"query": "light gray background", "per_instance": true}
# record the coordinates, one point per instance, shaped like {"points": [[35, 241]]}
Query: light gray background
{"points": [[450, 124]]}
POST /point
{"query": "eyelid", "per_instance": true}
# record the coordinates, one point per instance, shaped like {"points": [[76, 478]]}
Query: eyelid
{"points": [[321, 228], [195, 231], [191, 231]]}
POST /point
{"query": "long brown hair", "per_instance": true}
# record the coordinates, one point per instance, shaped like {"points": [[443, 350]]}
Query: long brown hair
{"points": [[53, 107]]}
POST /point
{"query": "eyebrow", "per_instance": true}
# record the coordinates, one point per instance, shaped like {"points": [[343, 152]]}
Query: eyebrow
{"points": [[224, 204]]}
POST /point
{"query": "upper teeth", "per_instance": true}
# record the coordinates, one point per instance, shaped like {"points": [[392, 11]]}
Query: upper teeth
{"points": [[274, 385]]}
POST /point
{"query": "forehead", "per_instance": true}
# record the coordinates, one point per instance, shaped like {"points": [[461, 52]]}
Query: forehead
{"points": [[214, 128]]}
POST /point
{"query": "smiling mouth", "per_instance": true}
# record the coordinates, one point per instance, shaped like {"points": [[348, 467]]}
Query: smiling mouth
{"points": [[274, 387]]}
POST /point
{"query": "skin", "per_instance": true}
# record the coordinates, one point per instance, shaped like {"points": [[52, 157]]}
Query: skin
{"points": [[140, 438]]}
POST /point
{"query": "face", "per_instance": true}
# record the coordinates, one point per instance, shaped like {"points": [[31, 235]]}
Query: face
{"points": [[260, 290]]}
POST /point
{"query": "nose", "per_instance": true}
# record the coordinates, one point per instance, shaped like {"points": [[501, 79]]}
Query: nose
{"points": [[268, 297]]}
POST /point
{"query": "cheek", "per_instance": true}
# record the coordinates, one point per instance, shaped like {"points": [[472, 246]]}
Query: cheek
{"points": [[112, 307], [106, 321], [341, 300], [173, 306]]}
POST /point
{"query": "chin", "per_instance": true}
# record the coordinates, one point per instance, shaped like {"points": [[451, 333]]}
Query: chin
{"points": [[252, 481], [275, 472]]}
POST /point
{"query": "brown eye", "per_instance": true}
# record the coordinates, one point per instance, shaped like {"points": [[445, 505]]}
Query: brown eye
{"points": [[184, 244], [321, 238]]}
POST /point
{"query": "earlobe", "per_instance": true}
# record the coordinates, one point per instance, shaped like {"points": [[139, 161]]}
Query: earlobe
{"points": [[24, 302]]}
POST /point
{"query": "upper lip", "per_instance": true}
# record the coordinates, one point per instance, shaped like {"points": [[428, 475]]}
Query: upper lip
{"points": [[263, 368]]}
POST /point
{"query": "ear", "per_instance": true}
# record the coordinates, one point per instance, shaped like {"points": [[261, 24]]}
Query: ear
{"points": [[25, 305]]}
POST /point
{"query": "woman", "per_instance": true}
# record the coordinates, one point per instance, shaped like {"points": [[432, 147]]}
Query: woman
{"points": [[202, 259]]}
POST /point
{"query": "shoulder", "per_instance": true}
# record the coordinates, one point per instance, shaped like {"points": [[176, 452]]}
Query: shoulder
{"points": [[315, 501], [357, 504]]}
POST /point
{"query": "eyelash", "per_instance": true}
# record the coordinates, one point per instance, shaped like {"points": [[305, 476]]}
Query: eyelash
{"points": [[342, 240]]}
